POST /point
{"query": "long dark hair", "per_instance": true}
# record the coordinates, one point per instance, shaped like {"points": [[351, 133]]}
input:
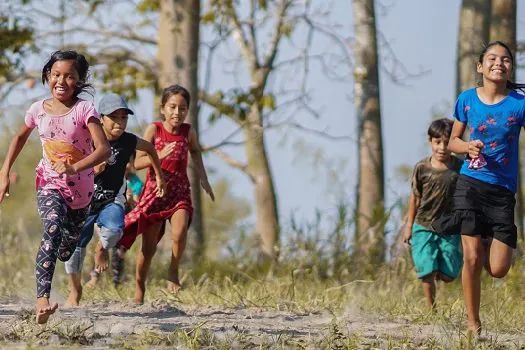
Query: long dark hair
{"points": [[174, 90], [510, 84], [80, 63]]}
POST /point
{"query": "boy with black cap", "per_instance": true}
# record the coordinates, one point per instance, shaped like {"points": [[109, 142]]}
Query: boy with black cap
{"points": [[108, 203]]}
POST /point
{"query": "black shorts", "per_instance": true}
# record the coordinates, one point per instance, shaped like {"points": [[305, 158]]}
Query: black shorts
{"points": [[480, 209]]}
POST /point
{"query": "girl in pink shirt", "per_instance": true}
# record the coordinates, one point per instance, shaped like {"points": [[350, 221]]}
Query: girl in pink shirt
{"points": [[72, 143]]}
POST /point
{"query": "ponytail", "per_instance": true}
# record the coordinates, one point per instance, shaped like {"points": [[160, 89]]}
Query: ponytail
{"points": [[515, 86]]}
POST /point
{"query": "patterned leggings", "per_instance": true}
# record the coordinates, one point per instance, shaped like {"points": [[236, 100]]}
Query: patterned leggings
{"points": [[61, 226]]}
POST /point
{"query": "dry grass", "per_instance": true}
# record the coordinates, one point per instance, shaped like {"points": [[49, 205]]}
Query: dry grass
{"points": [[306, 280]]}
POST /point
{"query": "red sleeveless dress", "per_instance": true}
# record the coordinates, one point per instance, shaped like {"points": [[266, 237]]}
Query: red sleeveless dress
{"points": [[150, 208]]}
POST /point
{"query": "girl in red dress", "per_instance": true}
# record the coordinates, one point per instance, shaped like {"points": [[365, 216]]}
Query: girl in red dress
{"points": [[172, 139]]}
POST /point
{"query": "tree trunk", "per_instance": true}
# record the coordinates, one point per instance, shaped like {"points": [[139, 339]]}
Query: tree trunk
{"points": [[178, 56], [267, 215], [474, 20], [370, 192], [503, 28]]}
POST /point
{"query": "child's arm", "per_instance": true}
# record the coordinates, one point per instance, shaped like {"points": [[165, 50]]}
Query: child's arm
{"points": [[458, 146], [142, 160], [100, 154], [15, 147], [149, 149], [413, 205], [196, 156]]}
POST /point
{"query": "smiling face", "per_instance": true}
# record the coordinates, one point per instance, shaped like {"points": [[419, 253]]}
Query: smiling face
{"points": [[63, 80], [115, 123], [175, 110], [439, 148], [496, 65]]}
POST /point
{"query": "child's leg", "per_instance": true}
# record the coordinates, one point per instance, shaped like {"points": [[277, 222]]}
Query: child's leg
{"points": [[52, 210], [429, 289], [499, 259], [144, 257], [424, 254], [76, 219], [111, 224], [179, 233], [472, 265], [75, 263]]}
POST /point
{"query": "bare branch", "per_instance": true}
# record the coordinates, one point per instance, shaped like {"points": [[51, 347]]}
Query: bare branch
{"points": [[245, 46], [277, 34], [393, 67], [225, 142], [323, 133], [234, 163], [116, 53], [252, 27], [107, 34], [212, 148]]}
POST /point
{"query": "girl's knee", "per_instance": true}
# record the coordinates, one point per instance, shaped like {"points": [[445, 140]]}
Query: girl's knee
{"points": [[472, 261], [472, 257], [499, 271], [179, 236], [109, 237]]}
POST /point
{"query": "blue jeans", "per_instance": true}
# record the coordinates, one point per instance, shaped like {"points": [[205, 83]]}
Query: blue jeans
{"points": [[110, 220]]}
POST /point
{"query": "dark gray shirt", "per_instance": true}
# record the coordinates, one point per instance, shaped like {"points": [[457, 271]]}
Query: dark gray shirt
{"points": [[434, 188]]}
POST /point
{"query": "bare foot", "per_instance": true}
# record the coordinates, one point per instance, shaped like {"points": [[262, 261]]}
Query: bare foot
{"points": [[93, 279], [75, 289], [74, 297], [44, 310], [101, 258], [140, 290], [474, 329], [174, 286]]}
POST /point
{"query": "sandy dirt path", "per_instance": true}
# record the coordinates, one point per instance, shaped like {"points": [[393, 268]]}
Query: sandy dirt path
{"points": [[108, 325]]}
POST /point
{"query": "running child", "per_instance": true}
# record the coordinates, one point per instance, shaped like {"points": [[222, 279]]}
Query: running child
{"points": [[108, 203], [435, 257], [172, 139], [69, 127], [483, 201]]}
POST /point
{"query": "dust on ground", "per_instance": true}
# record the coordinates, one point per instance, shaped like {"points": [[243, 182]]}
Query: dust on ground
{"points": [[104, 325]]}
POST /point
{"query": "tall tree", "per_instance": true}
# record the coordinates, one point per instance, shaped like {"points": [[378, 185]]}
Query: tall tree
{"points": [[249, 114], [178, 55], [503, 28], [474, 23], [370, 243]]}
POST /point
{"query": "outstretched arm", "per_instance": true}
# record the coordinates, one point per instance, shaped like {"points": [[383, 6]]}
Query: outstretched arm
{"points": [[196, 156], [413, 205], [15, 147]]}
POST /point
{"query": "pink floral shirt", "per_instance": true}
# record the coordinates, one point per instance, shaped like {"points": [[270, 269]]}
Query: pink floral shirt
{"points": [[64, 138]]}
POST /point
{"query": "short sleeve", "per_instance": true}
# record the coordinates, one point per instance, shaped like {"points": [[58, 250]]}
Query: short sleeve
{"points": [[89, 112], [131, 141], [522, 99], [31, 115], [461, 109], [417, 186]]}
